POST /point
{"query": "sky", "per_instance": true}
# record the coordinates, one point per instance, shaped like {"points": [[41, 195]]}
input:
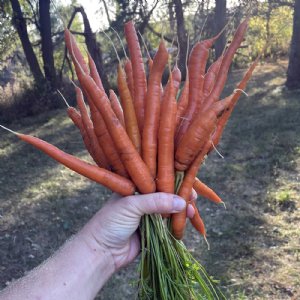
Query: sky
{"points": [[92, 9]]}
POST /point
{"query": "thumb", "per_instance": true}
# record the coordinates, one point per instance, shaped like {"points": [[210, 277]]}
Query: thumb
{"points": [[156, 203]]}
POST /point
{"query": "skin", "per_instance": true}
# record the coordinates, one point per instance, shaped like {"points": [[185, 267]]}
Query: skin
{"points": [[108, 242]]}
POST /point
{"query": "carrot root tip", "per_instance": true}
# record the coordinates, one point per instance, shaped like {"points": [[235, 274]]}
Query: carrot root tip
{"points": [[14, 132], [217, 150], [236, 90], [208, 245], [223, 204]]}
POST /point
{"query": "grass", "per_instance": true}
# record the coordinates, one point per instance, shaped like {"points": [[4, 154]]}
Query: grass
{"points": [[255, 249]]}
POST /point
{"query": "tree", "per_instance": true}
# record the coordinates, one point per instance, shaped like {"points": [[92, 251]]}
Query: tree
{"points": [[19, 23], [46, 42], [182, 35], [220, 22], [293, 73]]}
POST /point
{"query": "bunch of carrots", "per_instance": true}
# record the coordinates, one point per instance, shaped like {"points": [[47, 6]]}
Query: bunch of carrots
{"points": [[155, 138]]}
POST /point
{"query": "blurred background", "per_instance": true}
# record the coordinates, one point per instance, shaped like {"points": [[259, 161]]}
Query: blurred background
{"points": [[255, 242]]}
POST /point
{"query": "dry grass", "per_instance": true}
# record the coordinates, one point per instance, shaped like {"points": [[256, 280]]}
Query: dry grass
{"points": [[255, 242]]}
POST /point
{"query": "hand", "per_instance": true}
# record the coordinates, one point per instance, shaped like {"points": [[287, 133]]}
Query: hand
{"points": [[114, 227]]}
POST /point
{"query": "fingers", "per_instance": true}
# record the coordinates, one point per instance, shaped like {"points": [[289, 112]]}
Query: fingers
{"points": [[190, 211], [157, 203]]}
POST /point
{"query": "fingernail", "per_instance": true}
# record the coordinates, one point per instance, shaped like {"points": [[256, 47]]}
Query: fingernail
{"points": [[178, 203]]}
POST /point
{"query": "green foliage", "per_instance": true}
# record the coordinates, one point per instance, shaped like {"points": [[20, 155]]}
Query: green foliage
{"points": [[280, 31]]}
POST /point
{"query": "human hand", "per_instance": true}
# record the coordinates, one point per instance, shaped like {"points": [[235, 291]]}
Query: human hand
{"points": [[114, 227]]}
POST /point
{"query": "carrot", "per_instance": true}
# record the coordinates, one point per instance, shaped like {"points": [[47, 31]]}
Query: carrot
{"points": [[94, 72], [196, 68], [152, 109], [224, 68], [198, 133], [165, 169], [176, 80], [133, 163], [105, 140], [96, 150], [116, 106], [197, 221], [235, 97], [112, 181], [75, 116], [129, 77], [130, 119], [178, 220], [210, 77], [205, 191], [74, 50], [100, 128], [182, 102], [138, 71]]}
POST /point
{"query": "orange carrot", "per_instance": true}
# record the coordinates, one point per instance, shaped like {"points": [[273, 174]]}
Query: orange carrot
{"points": [[199, 132], [133, 163], [138, 71], [178, 220], [205, 191], [130, 119], [129, 77], [235, 97], [75, 116], [94, 72], [152, 109], [224, 68], [112, 181], [74, 50], [182, 102], [196, 68], [197, 221], [116, 106], [210, 77], [165, 169], [96, 150]]}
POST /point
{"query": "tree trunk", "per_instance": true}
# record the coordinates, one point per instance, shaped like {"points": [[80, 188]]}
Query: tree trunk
{"points": [[293, 73], [46, 42], [20, 24], [220, 22], [182, 37]]}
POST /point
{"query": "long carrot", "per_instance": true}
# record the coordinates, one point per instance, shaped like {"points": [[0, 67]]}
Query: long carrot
{"points": [[74, 50], [198, 133], [100, 128], [182, 102], [139, 76], [236, 95], [178, 220], [96, 150], [196, 66], [197, 222], [116, 106], [135, 166], [112, 181], [224, 68], [129, 77], [152, 110], [165, 169], [130, 119], [75, 116], [210, 77], [205, 191], [94, 72]]}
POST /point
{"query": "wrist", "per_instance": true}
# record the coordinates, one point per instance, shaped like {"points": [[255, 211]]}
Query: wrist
{"points": [[97, 255]]}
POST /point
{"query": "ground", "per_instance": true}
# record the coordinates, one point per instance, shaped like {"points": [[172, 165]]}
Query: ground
{"points": [[255, 242]]}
